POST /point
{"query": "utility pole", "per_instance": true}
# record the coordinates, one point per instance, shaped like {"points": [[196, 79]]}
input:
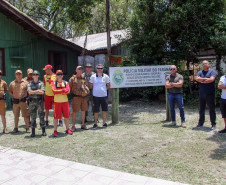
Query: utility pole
{"points": [[115, 91]]}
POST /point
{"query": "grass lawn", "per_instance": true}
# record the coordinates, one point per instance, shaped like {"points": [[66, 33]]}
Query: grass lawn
{"points": [[142, 143]]}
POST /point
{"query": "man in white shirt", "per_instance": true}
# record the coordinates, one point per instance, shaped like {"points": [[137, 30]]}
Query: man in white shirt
{"points": [[100, 83], [222, 85]]}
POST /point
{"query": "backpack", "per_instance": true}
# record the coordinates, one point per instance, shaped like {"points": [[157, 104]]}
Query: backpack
{"points": [[83, 89]]}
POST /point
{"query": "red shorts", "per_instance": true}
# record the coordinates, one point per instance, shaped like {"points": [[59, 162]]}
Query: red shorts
{"points": [[61, 108], [48, 102]]}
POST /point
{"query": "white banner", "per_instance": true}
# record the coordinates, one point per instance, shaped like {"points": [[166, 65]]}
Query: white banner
{"points": [[138, 76]]}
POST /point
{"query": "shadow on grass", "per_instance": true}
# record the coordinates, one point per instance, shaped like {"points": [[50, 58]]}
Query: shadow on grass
{"points": [[36, 137], [204, 129], [19, 133], [171, 126], [219, 153]]}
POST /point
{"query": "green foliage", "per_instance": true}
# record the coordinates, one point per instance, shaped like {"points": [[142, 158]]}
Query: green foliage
{"points": [[162, 31]]}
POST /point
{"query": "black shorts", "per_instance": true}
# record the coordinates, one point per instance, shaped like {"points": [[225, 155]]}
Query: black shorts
{"points": [[103, 101], [223, 108]]}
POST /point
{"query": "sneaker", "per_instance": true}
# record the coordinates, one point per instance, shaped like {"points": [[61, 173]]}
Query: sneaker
{"points": [[173, 123], [198, 126], [60, 123], [222, 131], [105, 125], [47, 123], [68, 131], [55, 133], [95, 126], [183, 124], [213, 127]]}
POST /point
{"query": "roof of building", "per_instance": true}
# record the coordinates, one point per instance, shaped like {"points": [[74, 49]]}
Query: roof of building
{"points": [[32, 26], [99, 41]]}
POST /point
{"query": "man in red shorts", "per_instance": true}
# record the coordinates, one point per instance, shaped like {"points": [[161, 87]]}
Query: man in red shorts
{"points": [[60, 89], [49, 77]]}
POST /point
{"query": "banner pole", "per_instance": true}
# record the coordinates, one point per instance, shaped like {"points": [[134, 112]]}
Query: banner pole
{"points": [[115, 105]]}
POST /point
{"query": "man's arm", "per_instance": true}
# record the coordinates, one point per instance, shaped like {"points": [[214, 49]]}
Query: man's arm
{"points": [[108, 85], [11, 89], [221, 86], [209, 80], [168, 85]]}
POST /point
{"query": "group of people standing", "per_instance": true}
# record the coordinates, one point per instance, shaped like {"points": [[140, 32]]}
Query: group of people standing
{"points": [[206, 80], [31, 96]]}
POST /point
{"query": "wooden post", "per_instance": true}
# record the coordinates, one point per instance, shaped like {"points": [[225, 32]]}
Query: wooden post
{"points": [[115, 105], [168, 115], [115, 92]]}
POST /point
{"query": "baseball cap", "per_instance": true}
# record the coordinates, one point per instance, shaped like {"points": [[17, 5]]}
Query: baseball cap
{"points": [[36, 72], [48, 67], [18, 71], [59, 71], [89, 65], [79, 67], [29, 71]]}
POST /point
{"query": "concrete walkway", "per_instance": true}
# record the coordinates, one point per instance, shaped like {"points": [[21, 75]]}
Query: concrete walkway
{"points": [[22, 168]]}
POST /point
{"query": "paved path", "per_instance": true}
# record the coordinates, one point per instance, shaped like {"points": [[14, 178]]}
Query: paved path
{"points": [[21, 168]]}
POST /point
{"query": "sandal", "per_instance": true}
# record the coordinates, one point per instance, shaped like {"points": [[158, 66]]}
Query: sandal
{"points": [[15, 130], [5, 131], [28, 130], [73, 129]]}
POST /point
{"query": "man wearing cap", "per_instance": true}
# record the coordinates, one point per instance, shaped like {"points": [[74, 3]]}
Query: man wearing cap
{"points": [[60, 89], [3, 89], [88, 73], [18, 89], [36, 93], [100, 83], [78, 85], [49, 77], [29, 78]]}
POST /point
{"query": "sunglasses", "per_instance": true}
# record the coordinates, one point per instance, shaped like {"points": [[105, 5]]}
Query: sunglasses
{"points": [[59, 74], [35, 75], [172, 69], [99, 68]]}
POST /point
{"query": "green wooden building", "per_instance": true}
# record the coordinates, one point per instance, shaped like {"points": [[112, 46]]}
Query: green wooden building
{"points": [[25, 44]]}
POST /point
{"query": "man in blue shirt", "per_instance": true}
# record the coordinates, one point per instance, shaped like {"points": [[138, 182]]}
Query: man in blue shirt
{"points": [[206, 79]]}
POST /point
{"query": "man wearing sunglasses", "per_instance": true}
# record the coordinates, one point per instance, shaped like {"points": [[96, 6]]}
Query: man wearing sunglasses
{"points": [[174, 83], [18, 89], [60, 90], [80, 90], [206, 79], [100, 83], [36, 91]]}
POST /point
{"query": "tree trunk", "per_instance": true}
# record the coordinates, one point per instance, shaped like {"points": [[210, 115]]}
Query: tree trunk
{"points": [[218, 64], [83, 50], [108, 31]]}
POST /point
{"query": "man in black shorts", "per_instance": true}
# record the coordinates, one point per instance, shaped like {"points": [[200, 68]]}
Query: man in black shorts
{"points": [[100, 83]]}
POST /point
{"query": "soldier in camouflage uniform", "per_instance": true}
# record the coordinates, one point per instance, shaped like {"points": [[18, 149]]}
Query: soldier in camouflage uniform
{"points": [[36, 92], [88, 73]]}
